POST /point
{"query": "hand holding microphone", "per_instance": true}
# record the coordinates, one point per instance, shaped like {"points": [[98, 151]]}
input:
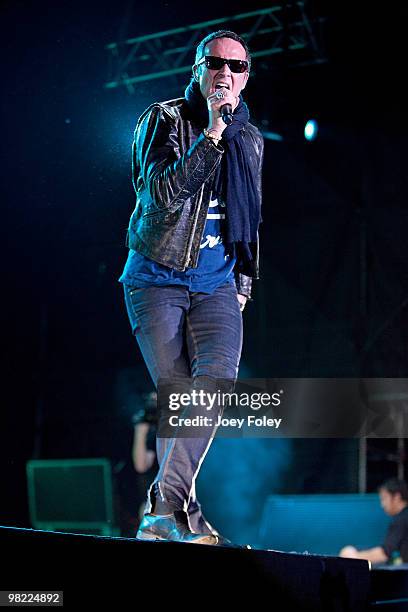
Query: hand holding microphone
{"points": [[221, 105]]}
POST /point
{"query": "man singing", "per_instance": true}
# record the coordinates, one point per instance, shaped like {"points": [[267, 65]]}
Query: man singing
{"points": [[193, 251]]}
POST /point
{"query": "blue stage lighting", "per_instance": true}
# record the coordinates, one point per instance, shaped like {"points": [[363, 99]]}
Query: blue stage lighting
{"points": [[311, 129]]}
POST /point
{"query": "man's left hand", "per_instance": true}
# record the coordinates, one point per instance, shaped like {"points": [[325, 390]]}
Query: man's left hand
{"points": [[242, 301]]}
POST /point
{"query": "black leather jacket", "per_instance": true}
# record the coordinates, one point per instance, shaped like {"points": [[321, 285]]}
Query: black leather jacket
{"points": [[173, 168]]}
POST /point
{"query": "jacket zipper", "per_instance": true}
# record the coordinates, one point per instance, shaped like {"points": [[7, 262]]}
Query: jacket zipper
{"points": [[190, 243], [152, 212]]}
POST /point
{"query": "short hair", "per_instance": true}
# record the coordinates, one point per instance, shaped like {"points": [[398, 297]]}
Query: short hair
{"points": [[222, 34], [395, 485]]}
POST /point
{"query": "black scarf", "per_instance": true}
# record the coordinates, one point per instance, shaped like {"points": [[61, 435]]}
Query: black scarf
{"points": [[234, 182]]}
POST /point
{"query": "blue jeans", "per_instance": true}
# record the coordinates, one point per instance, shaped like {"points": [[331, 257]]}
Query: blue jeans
{"points": [[188, 335]]}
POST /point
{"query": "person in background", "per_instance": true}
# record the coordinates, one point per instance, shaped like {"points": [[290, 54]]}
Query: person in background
{"points": [[394, 501], [144, 434], [136, 469]]}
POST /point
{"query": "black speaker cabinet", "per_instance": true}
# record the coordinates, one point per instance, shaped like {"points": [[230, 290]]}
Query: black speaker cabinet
{"points": [[71, 495]]}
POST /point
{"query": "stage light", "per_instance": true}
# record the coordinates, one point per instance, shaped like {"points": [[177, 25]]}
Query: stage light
{"points": [[272, 136], [311, 129]]}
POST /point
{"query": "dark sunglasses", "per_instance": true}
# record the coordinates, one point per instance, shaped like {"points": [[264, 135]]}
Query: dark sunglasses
{"points": [[216, 63]]}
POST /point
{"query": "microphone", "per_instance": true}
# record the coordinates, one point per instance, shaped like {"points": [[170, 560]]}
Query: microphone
{"points": [[226, 114]]}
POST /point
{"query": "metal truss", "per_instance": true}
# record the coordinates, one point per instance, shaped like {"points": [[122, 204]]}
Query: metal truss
{"points": [[285, 28]]}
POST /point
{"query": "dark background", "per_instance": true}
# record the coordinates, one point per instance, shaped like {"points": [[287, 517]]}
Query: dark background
{"points": [[331, 300]]}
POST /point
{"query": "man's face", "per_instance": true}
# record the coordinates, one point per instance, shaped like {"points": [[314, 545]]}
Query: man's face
{"points": [[390, 503], [208, 79]]}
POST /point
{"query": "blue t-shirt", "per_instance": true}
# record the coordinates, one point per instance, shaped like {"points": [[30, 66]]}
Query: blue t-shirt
{"points": [[215, 266]]}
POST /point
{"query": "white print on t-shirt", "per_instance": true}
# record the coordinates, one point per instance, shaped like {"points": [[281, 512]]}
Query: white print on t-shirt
{"points": [[212, 241], [213, 204]]}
